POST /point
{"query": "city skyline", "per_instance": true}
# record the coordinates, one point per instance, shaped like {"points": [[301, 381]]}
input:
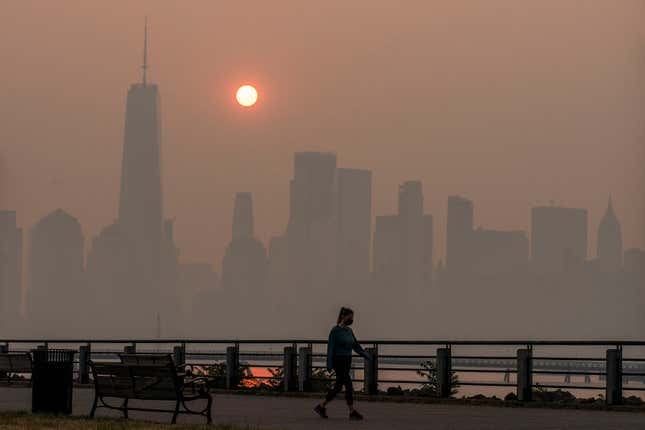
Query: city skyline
{"points": [[487, 127], [394, 236]]}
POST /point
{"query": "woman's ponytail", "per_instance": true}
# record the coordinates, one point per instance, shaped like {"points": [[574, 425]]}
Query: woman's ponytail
{"points": [[343, 313]]}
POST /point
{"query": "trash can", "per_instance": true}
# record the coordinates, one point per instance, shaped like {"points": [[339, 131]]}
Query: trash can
{"points": [[52, 381]]}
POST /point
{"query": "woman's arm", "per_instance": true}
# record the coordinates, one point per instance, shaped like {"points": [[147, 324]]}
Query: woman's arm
{"points": [[359, 349], [330, 350]]}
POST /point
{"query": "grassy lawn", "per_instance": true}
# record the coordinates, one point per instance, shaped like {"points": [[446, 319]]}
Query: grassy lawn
{"points": [[15, 421]]}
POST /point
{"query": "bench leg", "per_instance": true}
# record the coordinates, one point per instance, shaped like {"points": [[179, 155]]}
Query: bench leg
{"points": [[94, 405], [174, 415], [125, 409]]}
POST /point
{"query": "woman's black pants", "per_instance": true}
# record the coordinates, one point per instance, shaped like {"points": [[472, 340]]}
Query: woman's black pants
{"points": [[342, 366]]}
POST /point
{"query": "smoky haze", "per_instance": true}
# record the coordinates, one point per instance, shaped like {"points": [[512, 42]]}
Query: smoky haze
{"points": [[510, 105]]}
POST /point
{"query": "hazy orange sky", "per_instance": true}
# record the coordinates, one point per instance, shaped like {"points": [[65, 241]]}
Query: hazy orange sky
{"points": [[510, 103]]}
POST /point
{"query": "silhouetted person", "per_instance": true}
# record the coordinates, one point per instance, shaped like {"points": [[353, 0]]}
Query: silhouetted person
{"points": [[339, 358]]}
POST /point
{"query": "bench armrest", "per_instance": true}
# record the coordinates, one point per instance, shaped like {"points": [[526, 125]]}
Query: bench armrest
{"points": [[196, 384]]}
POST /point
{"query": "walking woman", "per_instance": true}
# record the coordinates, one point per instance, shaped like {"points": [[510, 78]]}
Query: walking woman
{"points": [[339, 358]]}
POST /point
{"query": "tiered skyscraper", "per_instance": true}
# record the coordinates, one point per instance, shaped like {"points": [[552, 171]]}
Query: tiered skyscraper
{"points": [[244, 265], [134, 262]]}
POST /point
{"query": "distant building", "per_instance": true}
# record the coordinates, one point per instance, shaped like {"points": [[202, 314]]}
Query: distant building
{"points": [[278, 261], [197, 277], [635, 261], [56, 278], [459, 234], [244, 267], [199, 284], [354, 226], [278, 273], [498, 252], [138, 250], [558, 238], [610, 242], [412, 223], [107, 270], [387, 250], [428, 254], [402, 259], [312, 230], [312, 190], [10, 272]]}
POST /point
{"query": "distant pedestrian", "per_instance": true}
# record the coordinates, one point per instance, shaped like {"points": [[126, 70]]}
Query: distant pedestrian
{"points": [[339, 359]]}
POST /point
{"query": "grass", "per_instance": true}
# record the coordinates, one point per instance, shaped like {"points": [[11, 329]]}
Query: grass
{"points": [[23, 420]]}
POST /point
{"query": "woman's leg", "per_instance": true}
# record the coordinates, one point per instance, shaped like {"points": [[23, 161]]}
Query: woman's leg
{"points": [[349, 392], [337, 387], [341, 369], [344, 379]]}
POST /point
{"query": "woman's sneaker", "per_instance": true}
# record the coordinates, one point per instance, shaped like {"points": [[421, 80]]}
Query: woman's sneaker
{"points": [[355, 416], [321, 411]]}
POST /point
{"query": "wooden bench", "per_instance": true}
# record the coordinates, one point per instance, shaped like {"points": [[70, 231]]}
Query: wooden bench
{"points": [[127, 381], [184, 370], [12, 363]]}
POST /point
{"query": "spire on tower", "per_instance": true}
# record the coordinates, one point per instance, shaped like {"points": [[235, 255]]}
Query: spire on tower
{"points": [[145, 52]]}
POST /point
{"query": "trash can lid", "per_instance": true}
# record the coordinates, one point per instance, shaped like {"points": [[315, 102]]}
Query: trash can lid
{"points": [[53, 355]]}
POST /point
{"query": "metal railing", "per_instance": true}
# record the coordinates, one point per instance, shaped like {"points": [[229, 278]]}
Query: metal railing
{"points": [[296, 361]]}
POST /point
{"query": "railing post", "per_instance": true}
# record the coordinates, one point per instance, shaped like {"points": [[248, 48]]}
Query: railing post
{"points": [[305, 362], [130, 349], [232, 367], [179, 355], [614, 390], [289, 369], [370, 372], [444, 372], [524, 375], [83, 361]]}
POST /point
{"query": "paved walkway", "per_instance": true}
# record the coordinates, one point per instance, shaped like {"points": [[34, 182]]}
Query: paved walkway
{"points": [[296, 414]]}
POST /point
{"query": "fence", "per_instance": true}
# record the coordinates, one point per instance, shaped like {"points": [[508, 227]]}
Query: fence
{"points": [[298, 361]]}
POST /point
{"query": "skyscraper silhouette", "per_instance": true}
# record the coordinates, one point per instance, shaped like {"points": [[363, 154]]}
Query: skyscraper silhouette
{"points": [[498, 252], [311, 231], [610, 241], [244, 266], [428, 251], [354, 228], [459, 235], [56, 275], [243, 216], [403, 267], [387, 251], [413, 248], [558, 238], [135, 260], [10, 272], [140, 203], [635, 263]]}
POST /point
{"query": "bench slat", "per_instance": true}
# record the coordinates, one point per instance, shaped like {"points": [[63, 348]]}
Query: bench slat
{"points": [[15, 362]]}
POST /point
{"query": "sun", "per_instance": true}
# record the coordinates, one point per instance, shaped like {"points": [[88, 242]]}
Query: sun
{"points": [[246, 95]]}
